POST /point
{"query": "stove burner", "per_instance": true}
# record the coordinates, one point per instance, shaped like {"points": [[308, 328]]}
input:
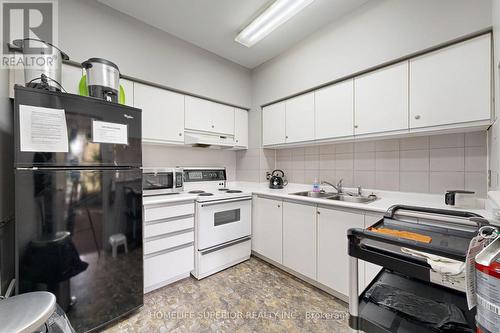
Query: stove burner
{"points": [[205, 194], [196, 192], [234, 191], [223, 189]]}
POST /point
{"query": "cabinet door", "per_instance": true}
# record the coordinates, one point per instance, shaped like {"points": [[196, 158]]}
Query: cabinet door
{"points": [[300, 118], [128, 88], [273, 124], [452, 85], [381, 100], [70, 78], [241, 128], [162, 114], [203, 115], [335, 110], [299, 238], [267, 228], [371, 270], [333, 259]]}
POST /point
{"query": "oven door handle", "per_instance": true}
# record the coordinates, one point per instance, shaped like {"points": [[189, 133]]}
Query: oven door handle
{"points": [[224, 245], [220, 202]]}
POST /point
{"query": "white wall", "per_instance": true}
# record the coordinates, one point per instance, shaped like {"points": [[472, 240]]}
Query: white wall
{"points": [[90, 29]]}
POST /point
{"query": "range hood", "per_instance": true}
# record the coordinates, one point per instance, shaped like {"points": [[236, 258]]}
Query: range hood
{"points": [[208, 140]]}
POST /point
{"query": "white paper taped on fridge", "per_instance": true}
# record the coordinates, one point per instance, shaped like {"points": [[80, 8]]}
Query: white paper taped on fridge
{"points": [[42, 129], [106, 132]]}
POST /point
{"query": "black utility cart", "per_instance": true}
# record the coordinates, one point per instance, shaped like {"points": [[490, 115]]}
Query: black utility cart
{"points": [[407, 296]]}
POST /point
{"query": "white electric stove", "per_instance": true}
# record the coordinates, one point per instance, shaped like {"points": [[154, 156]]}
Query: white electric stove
{"points": [[223, 221]]}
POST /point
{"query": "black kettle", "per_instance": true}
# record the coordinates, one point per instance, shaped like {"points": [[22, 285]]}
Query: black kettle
{"points": [[278, 179]]}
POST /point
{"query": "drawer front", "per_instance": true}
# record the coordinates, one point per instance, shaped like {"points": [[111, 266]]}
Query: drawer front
{"points": [[168, 242], [166, 266], [161, 228], [153, 213]]}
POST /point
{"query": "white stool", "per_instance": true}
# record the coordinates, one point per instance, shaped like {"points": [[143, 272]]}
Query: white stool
{"points": [[117, 240]]}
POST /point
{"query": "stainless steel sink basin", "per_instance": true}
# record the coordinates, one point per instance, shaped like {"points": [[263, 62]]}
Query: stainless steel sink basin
{"points": [[312, 194], [355, 199]]}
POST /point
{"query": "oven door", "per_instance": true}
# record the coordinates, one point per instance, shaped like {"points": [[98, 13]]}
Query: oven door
{"points": [[222, 221]]}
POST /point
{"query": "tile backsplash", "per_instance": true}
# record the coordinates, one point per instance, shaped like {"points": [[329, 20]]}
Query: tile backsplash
{"points": [[429, 164]]}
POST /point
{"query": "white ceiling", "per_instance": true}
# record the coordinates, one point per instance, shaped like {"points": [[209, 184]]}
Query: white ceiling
{"points": [[213, 24]]}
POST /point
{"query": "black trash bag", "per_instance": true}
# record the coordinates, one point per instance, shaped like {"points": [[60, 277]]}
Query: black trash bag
{"points": [[440, 317]]}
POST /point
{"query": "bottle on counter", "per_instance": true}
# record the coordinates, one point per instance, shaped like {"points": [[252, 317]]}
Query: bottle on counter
{"points": [[316, 185]]}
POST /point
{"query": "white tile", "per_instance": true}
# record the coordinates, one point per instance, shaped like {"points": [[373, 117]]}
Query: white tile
{"points": [[327, 149], [414, 181], [475, 139], [387, 180], [440, 182], [414, 160], [267, 159], [347, 177], [327, 175], [298, 161], [297, 177], [455, 140], [311, 175], [247, 175], [447, 159], [311, 162], [344, 161], [312, 150], [418, 142], [284, 161], [326, 162], [364, 161], [387, 160], [387, 145], [476, 159], [342, 148], [364, 146], [365, 179], [477, 182], [284, 153]]}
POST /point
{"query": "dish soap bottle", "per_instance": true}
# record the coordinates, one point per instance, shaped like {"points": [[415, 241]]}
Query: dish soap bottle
{"points": [[316, 185]]}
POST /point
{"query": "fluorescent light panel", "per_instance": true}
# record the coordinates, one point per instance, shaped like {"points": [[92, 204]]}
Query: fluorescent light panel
{"points": [[274, 16]]}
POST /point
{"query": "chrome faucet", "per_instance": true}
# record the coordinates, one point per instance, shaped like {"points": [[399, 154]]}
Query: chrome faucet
{"points": [[339, 188]]}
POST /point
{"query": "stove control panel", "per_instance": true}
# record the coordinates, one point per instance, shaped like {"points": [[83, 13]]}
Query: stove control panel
{"points": [[204, 175]]}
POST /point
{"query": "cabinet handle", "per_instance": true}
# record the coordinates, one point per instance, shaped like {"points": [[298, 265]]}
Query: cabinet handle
{"points": [[213, 126], [180, 134], [318, 212], [355, 126], [417, 117], [237, 140], [286, 137], [279, 206]]}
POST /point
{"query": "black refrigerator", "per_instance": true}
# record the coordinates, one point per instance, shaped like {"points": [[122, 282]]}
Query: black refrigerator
{"points": [[78, 204]]}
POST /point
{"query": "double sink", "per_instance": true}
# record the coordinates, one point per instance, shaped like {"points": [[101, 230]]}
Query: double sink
{"points": [[347, 197]]}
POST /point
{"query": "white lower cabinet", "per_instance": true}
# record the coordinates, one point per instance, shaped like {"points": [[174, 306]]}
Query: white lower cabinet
{"points": [[333, 259], [299, 238], [267, 228], [168, 243]]}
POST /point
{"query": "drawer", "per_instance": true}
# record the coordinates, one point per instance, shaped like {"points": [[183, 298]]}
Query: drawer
{"points": [[152, 213], [168, 242], [161, 228], [166, 266]]}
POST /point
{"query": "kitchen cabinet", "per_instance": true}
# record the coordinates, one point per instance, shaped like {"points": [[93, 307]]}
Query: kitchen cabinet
{"points": [[162, 114], [273, 124], [267, 228], [381, 100], [70, 78], [299, 238], [334, 107], [207, 116], [333, 259], [299, 118], [128, 88], [452, 85], [241, 128]]}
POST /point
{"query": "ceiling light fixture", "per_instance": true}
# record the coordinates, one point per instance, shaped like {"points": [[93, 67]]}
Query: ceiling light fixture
{"points": [[274, 16]]}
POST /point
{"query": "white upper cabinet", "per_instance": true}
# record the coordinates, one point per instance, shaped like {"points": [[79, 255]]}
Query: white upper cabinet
{"points": [[128, 88], [273, 124], [70, 78], [452, 85], [299, 118], [381, 100], [207, 116], [335, 110], [299, 238], [241, 128], [162, 114]]}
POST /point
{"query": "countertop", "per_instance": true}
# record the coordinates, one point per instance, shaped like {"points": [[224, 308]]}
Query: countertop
{"points": [[167, 198]]}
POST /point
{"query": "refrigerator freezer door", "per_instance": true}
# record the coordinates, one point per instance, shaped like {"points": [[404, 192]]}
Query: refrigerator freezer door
{"points": [[89, 145], [79, 235]]}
